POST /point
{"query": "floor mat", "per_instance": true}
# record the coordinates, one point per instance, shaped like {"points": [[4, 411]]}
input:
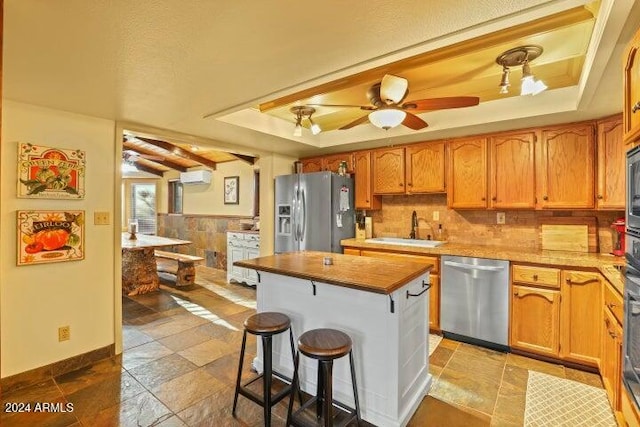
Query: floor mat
{"points": [[553, 401], [434, 340]]}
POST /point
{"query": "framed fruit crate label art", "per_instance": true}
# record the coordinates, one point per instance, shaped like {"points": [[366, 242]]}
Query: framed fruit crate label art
{"points": [[50, 173], [50, 236]]}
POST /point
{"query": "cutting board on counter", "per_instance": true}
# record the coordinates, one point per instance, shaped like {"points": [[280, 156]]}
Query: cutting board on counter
{"points": [[576, 234]]}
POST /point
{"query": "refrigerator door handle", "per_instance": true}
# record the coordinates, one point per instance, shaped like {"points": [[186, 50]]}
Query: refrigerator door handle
{"points": [[296, 210], [304, 216]]}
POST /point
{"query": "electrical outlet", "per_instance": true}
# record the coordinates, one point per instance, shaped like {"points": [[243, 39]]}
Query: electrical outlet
{"points": [[501, 218], [436, 216], [64, 333], [101, 218]]}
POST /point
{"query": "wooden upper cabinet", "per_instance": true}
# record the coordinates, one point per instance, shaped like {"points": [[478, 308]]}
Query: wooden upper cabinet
{"points": [[364, 198], [332, 163], [312, 165], [566, 168], [631, 108], [388, 171], [511, 171], [611, 164], [425, 167], [467, 171]]}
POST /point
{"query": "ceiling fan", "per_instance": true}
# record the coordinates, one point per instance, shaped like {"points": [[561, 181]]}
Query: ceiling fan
{"points": [[387, 109]]}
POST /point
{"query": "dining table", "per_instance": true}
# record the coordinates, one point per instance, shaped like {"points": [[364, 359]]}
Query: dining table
{"points": [[139, 268]]}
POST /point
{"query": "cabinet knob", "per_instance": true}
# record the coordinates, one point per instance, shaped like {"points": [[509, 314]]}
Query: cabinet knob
{"points": [[600, 197], [535, 277], [483, 199], [612, 335], [410, 184], [400, 184], [611, 305], [545, 198], [367, 200], [494, 198], [516, 293], [635, 107]]}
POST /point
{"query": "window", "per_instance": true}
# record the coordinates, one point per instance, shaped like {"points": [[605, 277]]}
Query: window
{"points": [[175, 197], [142, 206]]}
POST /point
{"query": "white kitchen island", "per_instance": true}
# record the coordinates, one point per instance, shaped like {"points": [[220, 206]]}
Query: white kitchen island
{"points": [[381, 304]]}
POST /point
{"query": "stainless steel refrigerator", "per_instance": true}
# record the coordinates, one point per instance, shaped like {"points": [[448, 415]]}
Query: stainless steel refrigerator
{"points": [[314, 211]]}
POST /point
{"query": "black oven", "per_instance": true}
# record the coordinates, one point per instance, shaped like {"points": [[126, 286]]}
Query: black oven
{"points": [[633, 190], [631, 324]]}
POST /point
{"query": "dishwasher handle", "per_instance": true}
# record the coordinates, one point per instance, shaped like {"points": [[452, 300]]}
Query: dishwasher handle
{"points": [[472, 267]]}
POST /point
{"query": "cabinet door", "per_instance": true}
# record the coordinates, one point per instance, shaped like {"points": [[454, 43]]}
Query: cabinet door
{"points": [[581, 317], [312, 165], [611, 165], [425, 168], [611, 358], [631, 108], [332, 163], [364, 199], [250, 275], [511, 176], [535, 320], [467, 165], [388, 171], [566, 173], [236, 253], [434, 302]]}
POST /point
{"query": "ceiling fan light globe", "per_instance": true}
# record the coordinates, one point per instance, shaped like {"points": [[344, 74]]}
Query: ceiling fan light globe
{"points": [[297, 131], [393, 89], [128, 167], [504, 89], [387, 118], [315, 129]]}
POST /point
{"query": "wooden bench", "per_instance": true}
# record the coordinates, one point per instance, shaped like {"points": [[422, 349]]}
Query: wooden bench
{"points": [[186, 273]]}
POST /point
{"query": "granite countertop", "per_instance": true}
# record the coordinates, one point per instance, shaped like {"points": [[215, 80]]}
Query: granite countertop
{"points": [[244, 231], [605, 263], [363, 273]]}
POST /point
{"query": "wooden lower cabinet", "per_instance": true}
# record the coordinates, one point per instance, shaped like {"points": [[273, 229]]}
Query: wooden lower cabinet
{"points": [[434, 278], [535, 320], [581, 317], [611, 357]]}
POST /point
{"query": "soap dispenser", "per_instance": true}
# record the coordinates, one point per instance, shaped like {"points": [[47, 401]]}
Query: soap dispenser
{"points": [[441, 234]]}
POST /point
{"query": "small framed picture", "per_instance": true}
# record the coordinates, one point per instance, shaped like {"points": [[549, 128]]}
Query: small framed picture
{"points": [[231, 184]]}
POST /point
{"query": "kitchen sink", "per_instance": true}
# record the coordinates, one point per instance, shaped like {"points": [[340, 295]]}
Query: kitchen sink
{"points": [[406, 242]]}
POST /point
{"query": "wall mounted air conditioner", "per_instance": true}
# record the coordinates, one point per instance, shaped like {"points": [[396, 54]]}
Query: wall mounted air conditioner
{"points": [[196, 177]]}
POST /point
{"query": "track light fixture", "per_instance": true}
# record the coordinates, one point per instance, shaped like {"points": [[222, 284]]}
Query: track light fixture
{"points": [[301, 112], [521, 56]]}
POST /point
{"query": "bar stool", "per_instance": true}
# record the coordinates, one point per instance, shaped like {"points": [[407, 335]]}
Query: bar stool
{"points": [[324, 345], [266, 325]]}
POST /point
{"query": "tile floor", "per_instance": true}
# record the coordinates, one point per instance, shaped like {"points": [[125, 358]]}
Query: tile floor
{"points": [[180, 361]]}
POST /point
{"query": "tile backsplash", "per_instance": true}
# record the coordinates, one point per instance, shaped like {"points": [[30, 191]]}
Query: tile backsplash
{"points": [[475, 226]]}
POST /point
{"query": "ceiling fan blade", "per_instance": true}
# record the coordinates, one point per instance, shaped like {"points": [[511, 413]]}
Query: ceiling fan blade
{"points": [[414, 122], [441, 103], [362, 107], [393, 89], [356, 122]]}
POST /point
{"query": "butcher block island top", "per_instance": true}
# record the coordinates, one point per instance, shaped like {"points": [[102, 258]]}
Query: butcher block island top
{"points": [[362, 273]]}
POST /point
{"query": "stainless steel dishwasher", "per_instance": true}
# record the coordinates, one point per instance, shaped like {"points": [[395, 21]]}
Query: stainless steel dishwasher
{"points": [[475, 300]]}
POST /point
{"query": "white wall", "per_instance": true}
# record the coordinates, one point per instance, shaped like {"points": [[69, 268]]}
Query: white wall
{"points": [[35, 300], [208, 199]]}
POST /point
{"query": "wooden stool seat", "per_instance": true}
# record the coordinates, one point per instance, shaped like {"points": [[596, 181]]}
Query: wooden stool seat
{"points": [[324, 344], [267, 323]]}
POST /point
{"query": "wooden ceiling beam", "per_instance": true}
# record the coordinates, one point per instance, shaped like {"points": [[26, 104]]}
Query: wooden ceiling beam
{"points": [[168, 163], [248, 159], [173, 149], [148, 169]]}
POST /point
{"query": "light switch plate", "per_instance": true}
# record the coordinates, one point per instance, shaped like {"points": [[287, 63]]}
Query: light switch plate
{"points": [[101, 218], [436, 215], [500, 218]]}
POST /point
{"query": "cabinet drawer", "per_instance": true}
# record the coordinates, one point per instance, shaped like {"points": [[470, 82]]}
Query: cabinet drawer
{"points": [[541, 276], [613, 300]]}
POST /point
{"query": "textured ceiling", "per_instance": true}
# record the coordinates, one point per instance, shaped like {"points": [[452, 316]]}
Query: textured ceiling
{"points": [[166, 64]]}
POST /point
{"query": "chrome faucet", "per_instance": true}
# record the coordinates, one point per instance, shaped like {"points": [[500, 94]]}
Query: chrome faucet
{"points": [[414, 225]]}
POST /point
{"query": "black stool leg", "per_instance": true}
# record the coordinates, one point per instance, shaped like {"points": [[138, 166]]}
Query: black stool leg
{"points": [[294, 387], [327, 413], [319, 390], [355, 388], [266, 352], [235, 396], [293, 356]]}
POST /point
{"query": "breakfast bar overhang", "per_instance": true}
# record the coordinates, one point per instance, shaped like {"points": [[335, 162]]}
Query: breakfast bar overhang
{"points": [[381, 304]]}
